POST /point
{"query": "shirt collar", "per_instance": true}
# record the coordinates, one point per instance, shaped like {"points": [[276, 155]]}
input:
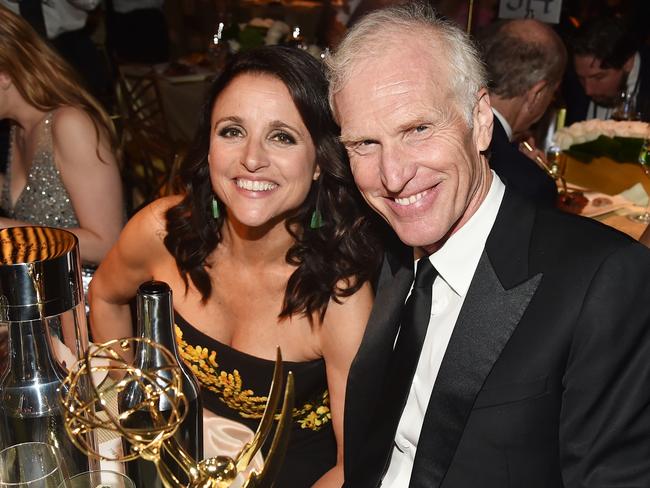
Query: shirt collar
{"points": [[457, 259], [633, 77], [504, 123]]}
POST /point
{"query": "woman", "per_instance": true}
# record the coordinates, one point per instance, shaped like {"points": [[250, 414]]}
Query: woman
{"points": [[268, 245], [61, 170]]}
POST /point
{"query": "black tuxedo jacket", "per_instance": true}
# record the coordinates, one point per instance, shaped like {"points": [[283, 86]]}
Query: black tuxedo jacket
{"points": [[545, 382], [518, 171], [577, 101]]}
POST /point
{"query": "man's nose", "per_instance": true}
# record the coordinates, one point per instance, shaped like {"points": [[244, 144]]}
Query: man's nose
{"points": [[590, 88], [396, 171]]}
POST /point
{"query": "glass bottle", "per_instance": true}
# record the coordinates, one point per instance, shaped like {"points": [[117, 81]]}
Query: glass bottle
{"points": [[155, 322], [42, 307]]}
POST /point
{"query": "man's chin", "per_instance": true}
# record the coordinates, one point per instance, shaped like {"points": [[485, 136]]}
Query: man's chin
{"points": [[605, 102]]}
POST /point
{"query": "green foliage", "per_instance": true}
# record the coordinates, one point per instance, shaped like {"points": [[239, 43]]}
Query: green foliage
{"points": [[620, 149]]}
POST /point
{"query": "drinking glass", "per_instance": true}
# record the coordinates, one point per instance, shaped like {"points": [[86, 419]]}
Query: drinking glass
{"points": [[30, 465], [644, 161], [98, 479], [624, 110], [557, 162]]}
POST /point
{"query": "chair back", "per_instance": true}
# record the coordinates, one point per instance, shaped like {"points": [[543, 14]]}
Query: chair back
{"points": [[149, 153]]}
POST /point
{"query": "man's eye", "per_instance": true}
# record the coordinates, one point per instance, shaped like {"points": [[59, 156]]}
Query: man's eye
{"points": [[362, 147], [283, 137], [421, 129]]}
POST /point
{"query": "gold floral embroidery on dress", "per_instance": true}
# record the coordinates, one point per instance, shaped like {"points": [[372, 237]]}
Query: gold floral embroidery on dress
{"points": [[229, 387]]}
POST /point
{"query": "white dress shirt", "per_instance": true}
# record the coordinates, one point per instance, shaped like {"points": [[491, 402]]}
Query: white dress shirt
{"points": [[456, 263], [603, 113], [60, 15]]}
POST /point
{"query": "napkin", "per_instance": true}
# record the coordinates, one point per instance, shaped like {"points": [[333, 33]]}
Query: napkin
{"points": [[225, 437], [636, 194]]}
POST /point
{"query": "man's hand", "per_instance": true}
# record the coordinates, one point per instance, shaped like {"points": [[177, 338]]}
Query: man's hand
{"points": [[528, 148]]}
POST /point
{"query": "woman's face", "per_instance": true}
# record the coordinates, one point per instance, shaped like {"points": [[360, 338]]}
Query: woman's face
{"points": [[262, 159]]}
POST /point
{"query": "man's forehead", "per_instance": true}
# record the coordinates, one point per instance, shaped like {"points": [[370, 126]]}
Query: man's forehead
{"points": [[397, 70], [588, 63]]}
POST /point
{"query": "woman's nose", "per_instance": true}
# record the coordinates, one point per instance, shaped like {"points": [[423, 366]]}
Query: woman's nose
{"points": [[255, 157]]}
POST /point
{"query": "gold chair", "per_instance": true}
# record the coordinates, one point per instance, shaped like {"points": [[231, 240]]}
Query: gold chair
{"points": [[149, 152]]}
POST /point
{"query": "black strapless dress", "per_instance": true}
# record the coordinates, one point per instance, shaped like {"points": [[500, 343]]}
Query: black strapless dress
{"points": [[235, 385]]}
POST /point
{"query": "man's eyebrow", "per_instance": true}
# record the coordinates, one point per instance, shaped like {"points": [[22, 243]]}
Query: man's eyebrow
{"points": [[350, 141]]}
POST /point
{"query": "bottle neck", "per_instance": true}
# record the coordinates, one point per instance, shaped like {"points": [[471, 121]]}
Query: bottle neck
{"points": [[156, 323], [155, 319]]}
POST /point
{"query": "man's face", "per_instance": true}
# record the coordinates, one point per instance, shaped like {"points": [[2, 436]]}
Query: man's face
{"points": [[602, 85], [412, 154]]}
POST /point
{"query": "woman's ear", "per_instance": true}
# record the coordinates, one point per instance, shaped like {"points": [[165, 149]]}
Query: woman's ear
{"points": [[316, 173]]}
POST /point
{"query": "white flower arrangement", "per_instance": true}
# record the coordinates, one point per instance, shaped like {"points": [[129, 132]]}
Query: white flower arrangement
{"points": [[276, 30], [590, 130]]}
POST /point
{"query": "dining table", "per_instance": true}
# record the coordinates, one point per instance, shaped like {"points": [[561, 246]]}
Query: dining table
{"points": [[624, 184]]}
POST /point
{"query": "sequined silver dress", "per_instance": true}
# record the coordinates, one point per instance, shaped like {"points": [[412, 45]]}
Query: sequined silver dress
{"points": [[44, 200]]}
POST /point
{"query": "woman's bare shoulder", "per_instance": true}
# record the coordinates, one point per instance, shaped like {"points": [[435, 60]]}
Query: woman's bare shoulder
{"points": [[69, 118], [142, 239], [153, 215], [160, 206]]}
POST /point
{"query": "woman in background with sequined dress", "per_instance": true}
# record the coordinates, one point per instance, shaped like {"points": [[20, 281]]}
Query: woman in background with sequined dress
{"points": [[268, 244], [62, 170]]}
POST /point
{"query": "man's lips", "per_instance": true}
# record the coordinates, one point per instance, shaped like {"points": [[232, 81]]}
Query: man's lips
{"points": [[414, 203], [411, 199]]}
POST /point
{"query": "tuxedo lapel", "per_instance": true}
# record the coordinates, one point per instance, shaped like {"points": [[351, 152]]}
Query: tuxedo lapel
{"points": [[488, 318], [368, 369], [495, 303]]}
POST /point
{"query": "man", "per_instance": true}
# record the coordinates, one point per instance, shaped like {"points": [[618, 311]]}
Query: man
{"points": [[346, 13], [525, 62], [137, 31], [607, 62], [528, 364]]}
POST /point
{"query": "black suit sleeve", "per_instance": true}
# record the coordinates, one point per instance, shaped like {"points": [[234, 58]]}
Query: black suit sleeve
{"points": [[605, 416]]}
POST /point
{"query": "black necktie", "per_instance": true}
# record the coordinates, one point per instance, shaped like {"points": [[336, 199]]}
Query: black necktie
{"points": [[413, 329], [402, 366], [32, 12]]}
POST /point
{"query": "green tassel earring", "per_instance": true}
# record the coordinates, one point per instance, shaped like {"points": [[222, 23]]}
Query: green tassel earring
{"points": [[316, 220], [215, 208]]}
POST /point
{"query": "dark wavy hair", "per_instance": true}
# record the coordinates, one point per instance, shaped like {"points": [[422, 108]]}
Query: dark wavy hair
{"points": [[609, 39], [332, 261]]}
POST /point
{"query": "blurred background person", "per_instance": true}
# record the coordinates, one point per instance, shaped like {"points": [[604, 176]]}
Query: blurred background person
{"points": [[268, 244], [525, 61], [62, 169], [66, 25], [137, 31], [609, 62]]}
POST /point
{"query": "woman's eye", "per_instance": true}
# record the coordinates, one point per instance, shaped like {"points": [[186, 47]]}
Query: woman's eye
{"points": [[283, 137], [230, 132]]}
